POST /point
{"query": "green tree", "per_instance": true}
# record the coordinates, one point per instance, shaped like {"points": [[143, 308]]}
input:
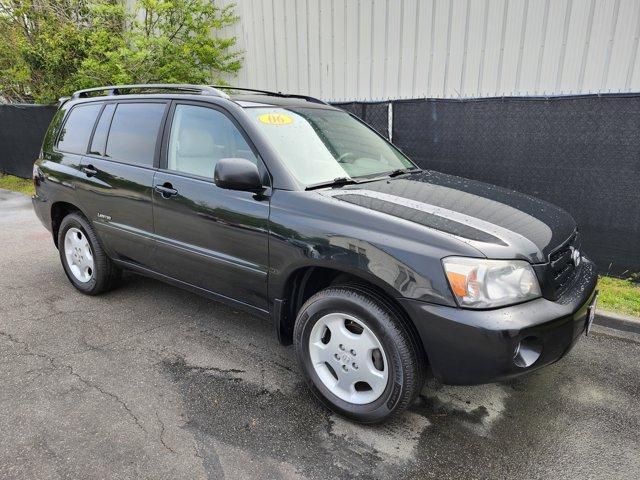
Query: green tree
{"points": [[50, 48]]}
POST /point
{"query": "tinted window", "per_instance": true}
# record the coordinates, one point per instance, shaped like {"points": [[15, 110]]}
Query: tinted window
{"points": [[133, 133], [75, 134], [100, 136], [53, 130], [200, 137]]}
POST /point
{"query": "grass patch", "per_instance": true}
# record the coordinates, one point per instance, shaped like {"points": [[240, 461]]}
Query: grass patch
{"points": [[618, 295], [17, 184]]}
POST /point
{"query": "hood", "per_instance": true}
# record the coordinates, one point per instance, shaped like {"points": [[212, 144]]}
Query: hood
{"points": [[499, 222]]}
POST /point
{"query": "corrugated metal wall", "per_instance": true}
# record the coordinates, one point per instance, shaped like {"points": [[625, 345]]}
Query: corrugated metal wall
{"points": [[344, 50]]}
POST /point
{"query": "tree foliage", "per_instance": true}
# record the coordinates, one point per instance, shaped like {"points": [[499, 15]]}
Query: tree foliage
{"points": [[50, 48]]}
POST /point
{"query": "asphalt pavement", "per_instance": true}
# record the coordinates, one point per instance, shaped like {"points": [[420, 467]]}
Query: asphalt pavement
{"points": [[150, 381]]}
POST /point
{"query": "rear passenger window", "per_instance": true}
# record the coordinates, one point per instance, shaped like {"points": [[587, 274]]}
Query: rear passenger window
{"points": [[99, 141], [75, 134], [201, 136], [134, 131]]}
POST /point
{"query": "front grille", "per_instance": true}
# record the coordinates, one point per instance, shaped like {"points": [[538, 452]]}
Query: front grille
{"points": [[562, 264]]}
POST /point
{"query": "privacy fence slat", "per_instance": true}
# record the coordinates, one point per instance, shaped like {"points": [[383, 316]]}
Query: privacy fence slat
{"points": [[22, 128]]}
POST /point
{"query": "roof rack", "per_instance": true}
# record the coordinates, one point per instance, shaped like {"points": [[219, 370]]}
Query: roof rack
{"points": [[181, 87], [273, 94]]}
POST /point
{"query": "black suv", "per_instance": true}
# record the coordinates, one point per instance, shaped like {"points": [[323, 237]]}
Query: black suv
{"points": [[377, 271]]}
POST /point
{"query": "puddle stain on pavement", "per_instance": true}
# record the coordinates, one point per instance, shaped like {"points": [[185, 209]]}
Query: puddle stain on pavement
{"points": [[228, 411]]}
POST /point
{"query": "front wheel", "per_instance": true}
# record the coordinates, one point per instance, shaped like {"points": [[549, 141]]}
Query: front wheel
{"points": [[357, 354]]}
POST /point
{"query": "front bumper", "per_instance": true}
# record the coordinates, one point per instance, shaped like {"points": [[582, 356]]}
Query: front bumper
{"points": [[467, 347]]}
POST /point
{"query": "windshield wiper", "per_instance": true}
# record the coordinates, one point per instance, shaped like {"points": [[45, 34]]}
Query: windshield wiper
{"points": [[402, 171], [336, 182]]}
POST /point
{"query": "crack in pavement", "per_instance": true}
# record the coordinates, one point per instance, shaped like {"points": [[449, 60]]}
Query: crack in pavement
{"points": [[162, 435], [101, 346], [106, 393], [26, 349], [120, 340], [75, 374], [11, 338], [215, 369]]}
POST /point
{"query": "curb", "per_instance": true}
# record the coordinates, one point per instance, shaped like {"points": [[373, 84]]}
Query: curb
{"points": [[617, 321]]}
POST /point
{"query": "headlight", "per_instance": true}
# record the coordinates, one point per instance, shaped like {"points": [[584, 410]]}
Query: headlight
{"points": [[479, 283]]}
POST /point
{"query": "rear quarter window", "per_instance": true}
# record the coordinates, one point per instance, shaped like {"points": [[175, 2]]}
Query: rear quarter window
{"points": [[134, 132], [54, 130], [77, 129], [99, 140]]}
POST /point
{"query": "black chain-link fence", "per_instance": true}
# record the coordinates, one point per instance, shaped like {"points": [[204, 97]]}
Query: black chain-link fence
{"points": [[581, 153], [375, 114], [22, 128]]}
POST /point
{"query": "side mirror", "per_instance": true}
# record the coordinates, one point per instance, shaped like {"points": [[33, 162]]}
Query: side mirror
{"points": [[237, 174]]}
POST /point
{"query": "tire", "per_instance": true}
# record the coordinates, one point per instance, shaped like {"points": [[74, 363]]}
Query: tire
{"points": [[398, 358], [91, 273]]}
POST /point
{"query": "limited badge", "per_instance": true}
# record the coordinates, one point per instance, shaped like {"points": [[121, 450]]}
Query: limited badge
{"points": [[275, 119]]}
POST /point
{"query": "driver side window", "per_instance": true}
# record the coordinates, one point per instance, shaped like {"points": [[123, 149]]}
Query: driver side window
{"points": [[200, 137]]}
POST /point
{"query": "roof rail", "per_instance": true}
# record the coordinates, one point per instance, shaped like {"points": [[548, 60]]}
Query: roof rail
{"points": [[273, 94], [182, 87]]}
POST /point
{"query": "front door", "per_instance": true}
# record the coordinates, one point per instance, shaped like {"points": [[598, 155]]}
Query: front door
{"points": [[208, 237]]}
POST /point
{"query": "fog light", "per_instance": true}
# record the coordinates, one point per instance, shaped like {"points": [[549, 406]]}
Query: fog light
{"points": [[527, 352]]}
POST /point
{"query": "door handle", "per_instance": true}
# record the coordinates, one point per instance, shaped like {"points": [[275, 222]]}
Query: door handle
{"points": [[166, 190], [89, 170]]}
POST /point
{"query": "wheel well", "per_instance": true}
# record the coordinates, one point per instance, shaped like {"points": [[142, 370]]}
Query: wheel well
{"points": [[301, 286], [306, 282], [59, 210]]}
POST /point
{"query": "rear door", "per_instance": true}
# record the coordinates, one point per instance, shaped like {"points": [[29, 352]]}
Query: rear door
{"points": [[119, 169], [208, 237], [69, 149]]}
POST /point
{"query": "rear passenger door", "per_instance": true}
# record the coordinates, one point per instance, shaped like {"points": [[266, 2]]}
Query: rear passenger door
{"points": [[208, 237], [119, 168], [70, 148]]}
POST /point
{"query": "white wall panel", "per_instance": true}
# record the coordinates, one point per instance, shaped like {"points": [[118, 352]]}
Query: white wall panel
{"points": [[344, 50], [621, 57]]}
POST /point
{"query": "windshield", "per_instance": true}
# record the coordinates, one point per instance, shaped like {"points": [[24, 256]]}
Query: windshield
{"points": [[320, 145]]}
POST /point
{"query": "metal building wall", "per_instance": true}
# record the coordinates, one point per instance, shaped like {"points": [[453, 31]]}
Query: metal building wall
{"points": [[344, 50]]}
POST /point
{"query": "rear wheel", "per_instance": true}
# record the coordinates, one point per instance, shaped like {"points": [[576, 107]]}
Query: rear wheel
{"points": [[357, 355], [85, 262]]}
